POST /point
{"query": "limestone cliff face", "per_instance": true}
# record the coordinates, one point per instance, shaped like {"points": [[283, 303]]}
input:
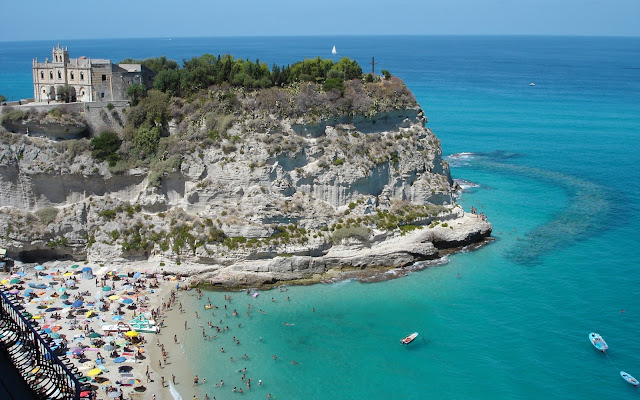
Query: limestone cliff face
{"points": [[308, 186]]}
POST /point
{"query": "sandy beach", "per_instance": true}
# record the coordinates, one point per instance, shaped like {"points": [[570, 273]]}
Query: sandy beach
{"points": [[80, 314]]}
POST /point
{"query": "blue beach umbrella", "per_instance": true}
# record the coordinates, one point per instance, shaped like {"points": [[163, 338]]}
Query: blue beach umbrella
{"points": [[106, 288], [39, 267], [119, 360], [27, 291], [108, 347], [77, 303], [136, 275], [21, 273], [117, 318], [127, 301]]}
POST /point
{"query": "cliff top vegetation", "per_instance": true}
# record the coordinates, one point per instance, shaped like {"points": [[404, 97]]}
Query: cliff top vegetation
{"points": [[223, 91]]}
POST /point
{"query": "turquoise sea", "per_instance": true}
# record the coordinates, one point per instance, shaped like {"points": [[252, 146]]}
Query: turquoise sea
{"points": [[556, 169]]}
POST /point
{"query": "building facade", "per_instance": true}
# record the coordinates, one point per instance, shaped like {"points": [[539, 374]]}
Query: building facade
{"points": [[84, 79]]}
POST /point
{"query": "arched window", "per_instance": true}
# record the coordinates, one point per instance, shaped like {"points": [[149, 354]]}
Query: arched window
{"points": [[50, 75], [81, 76], [59, 75], [41, 75], [71, 75]]}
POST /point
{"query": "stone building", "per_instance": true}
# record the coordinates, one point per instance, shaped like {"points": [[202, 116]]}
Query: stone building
{"points": [[88, 79]]}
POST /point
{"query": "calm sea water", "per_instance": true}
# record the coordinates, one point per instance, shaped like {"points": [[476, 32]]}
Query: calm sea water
{"points": [[556, 166]]}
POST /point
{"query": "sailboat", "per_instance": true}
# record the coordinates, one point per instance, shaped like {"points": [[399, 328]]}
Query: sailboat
{"points": [[334, 51]]}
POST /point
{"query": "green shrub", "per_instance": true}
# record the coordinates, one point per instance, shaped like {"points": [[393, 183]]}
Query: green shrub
{"points": [[338, 161], [359, 232], [108, 214], [105, 147], [334, 83], [12, 116], [47, 215], [110, 106]]}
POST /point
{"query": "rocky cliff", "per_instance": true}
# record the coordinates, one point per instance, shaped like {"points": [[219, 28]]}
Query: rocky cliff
{"points": [[247, 187]]}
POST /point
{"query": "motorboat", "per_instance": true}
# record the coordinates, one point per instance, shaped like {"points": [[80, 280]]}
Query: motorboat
{"points": [[629, 378], [532, 84], [598, 342], [409, 338]]}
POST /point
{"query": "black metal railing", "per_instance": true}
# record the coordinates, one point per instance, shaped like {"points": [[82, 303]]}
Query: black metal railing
{"points": [[30, 349]]}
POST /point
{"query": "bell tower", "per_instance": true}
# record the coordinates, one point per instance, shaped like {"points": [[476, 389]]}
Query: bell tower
{"points": [[60, 55]]}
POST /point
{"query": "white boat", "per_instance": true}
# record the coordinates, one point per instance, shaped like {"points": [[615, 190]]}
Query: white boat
{"points": [[629, 378], [409, 338], [334, 51], [119, 327], [532, 84], [598, 342]]}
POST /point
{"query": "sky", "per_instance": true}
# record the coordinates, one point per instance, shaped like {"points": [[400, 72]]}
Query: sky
{"points": [[75, 19]]}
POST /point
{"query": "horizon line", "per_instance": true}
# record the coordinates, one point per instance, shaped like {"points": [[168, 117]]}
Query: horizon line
{"points": [[334, 36]]}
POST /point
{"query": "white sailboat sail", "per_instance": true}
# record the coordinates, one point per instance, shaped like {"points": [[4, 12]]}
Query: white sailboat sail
{"points": [[334, 51]]}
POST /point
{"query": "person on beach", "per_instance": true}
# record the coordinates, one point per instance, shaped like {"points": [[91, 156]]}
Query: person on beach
{"points": [[173, 379], [195, 380]]}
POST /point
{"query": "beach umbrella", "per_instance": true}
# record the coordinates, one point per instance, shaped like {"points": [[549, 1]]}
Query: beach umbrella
{"points": [[94, 335], [106, 288], [136, 275], [113, 394], [117, 318], [14, 291], [125, 368], [64, 296], [77, 303], [21, 274], [114, 297], [61, 290], [70, 282], [127, 301], [119, 360], [132, 334], [109, 339], [108, 347], [74, 266], [27, 291], [14, 281], [94, 372], [39, 267], [55, 335]]}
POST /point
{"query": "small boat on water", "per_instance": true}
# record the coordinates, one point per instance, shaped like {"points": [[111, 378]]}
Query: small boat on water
{"points": [[409, 338], [532, 84], [598, 342], [334, 51], [629, 378]]}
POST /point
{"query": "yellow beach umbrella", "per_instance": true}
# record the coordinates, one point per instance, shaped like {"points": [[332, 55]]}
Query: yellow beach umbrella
{"points": [[68, 274], [94, 372], [90, 313], [4, 281], [132, 333], [114, 297], [36, 369]]}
